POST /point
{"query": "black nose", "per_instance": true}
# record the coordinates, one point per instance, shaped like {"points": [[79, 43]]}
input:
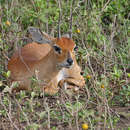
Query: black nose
{"points": [[70, 61]]}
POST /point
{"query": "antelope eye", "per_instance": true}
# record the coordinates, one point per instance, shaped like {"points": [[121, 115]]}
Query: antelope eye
{"points": [[57, 49], [75, 48]]}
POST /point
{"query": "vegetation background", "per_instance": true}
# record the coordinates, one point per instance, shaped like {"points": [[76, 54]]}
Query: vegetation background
{"points": [[101, 30]]}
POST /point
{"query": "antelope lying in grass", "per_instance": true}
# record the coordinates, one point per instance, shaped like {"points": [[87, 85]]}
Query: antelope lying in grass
{"points": [[51, 60]]}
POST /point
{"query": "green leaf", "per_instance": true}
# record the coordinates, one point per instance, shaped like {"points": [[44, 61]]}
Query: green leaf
{"points": [[128, 75]]}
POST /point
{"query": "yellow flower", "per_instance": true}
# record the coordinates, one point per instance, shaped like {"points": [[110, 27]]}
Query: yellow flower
{"points": [[88, 76], [8, 23], [78, 31], [102, 86], [84, 126]]}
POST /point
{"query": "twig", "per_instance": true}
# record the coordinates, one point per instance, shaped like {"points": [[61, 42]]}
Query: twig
{"points": [[5, 56], [112, 35], [71, 18], [63, 102], [77, 124], [59, 21], [9, 115], [21, 58], [47, 18], [35, 8], [48, 111], [28, 123], [105, 5]]}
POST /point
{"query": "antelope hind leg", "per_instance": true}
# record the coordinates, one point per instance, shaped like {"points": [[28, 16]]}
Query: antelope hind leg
{"points": [[52, 87], [22, 85]]}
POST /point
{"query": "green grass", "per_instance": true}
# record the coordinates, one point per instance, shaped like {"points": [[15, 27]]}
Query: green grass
{"points": [[101, 31]]}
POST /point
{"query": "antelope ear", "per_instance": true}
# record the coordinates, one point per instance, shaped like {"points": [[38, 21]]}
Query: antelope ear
{"points": [[37, 36], [66, 35]]}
